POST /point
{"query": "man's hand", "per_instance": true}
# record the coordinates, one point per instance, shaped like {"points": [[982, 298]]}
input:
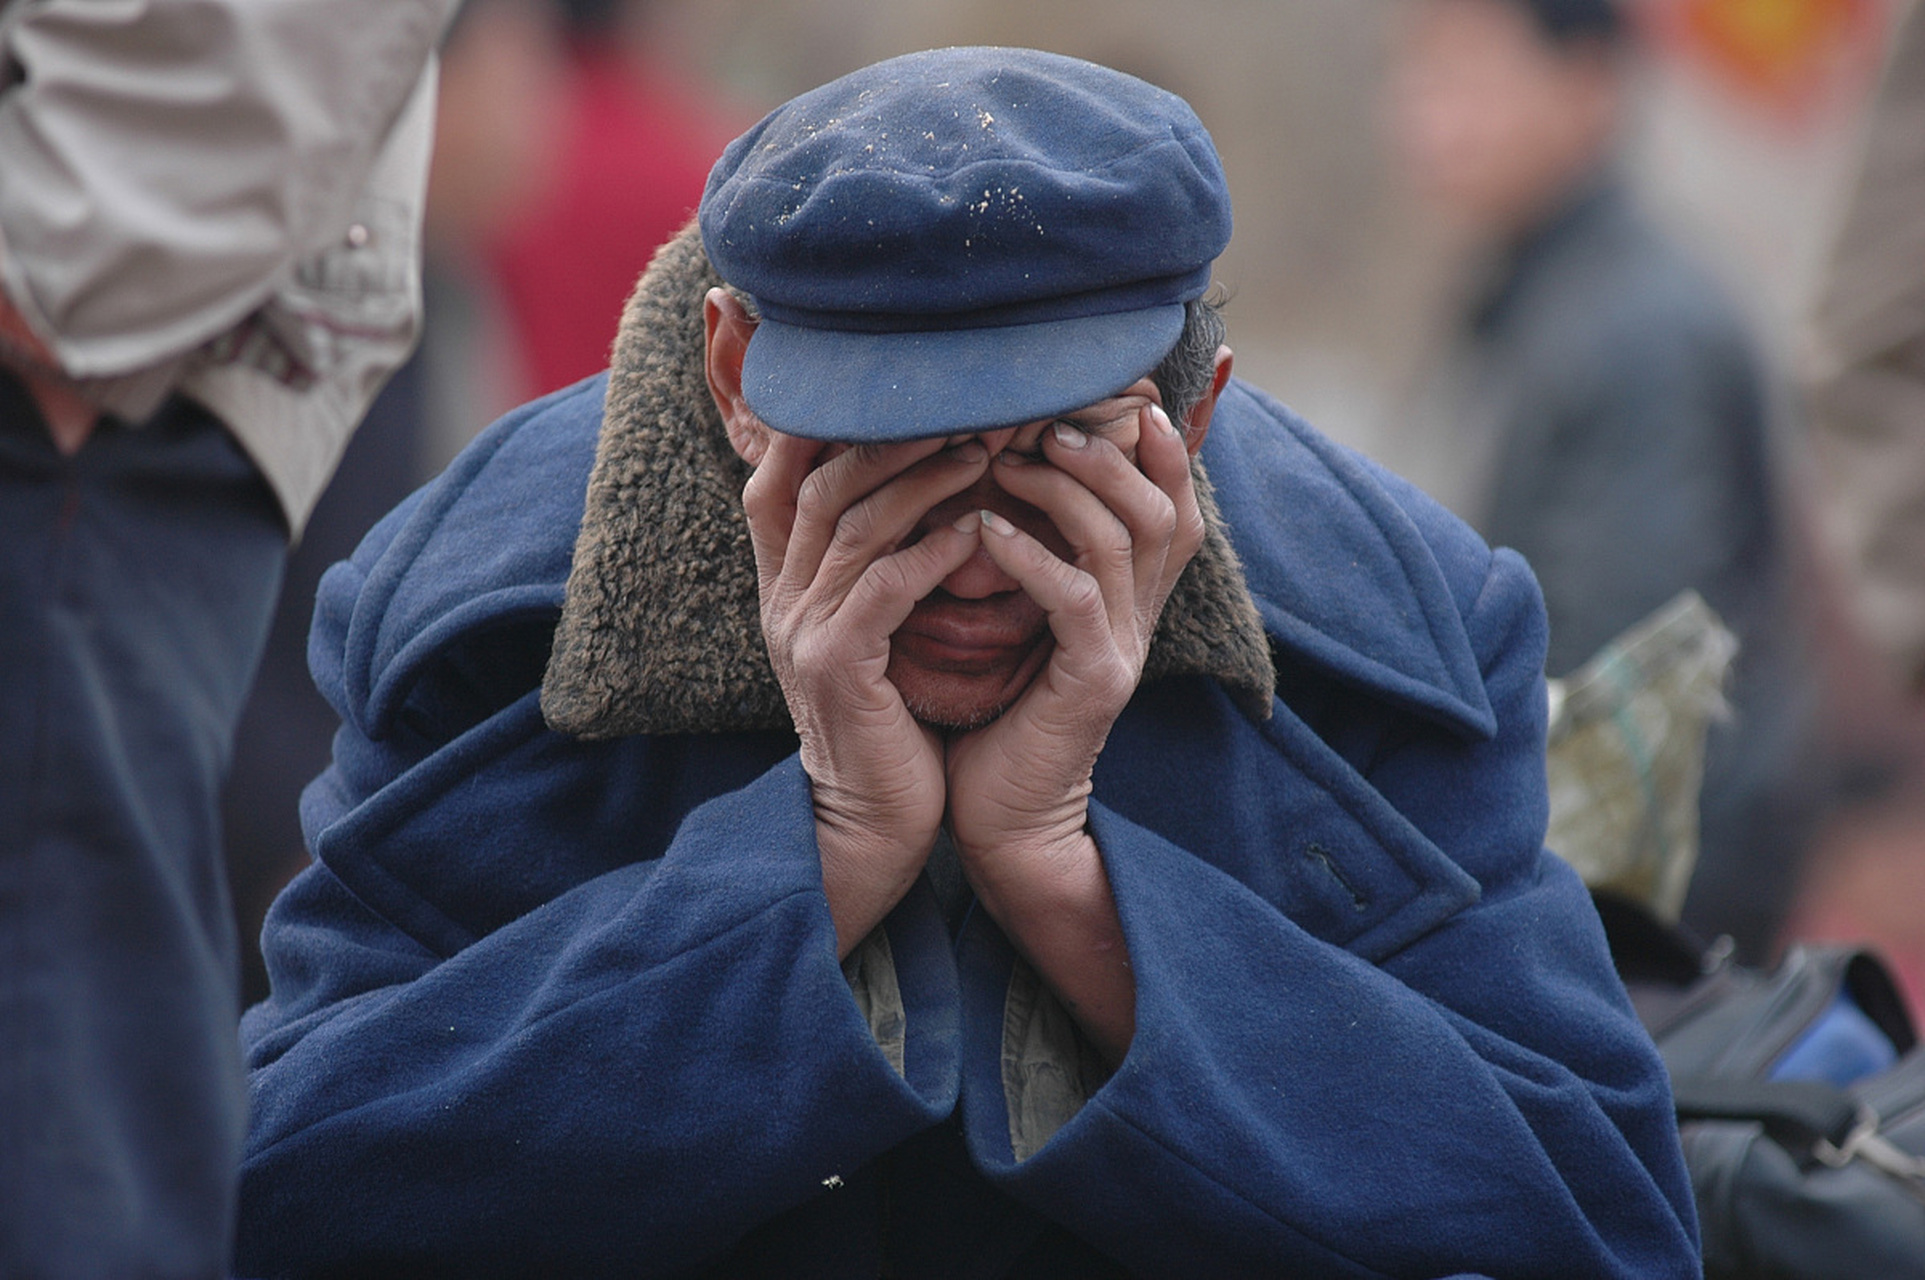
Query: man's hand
{"points": [[835, 584], [1019, 788], [69, 415]]}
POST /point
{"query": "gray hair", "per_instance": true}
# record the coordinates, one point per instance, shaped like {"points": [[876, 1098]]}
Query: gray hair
{"points": [[1184, 376]]}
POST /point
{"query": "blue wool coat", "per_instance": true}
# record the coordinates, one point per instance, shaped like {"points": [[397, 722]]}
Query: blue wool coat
{"points": [[547, 1006]]}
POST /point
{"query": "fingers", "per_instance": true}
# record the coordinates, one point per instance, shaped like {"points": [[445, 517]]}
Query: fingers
{"points": [[1092, 650], [847, 499], [1132, 529], [818, 525], [844, 544], [769, 499], [1165, 459], [1101, 542], [881, 599]]}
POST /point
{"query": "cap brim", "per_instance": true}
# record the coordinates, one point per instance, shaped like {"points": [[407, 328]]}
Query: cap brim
{"points": [[873, 388]]}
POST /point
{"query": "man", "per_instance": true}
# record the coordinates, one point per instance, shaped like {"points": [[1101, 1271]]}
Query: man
{"points": [[209, 213], [899, 815], [1611, 416]]}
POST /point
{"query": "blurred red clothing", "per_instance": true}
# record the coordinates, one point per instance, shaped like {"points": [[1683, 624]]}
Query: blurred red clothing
{"points": [[637, 148]]}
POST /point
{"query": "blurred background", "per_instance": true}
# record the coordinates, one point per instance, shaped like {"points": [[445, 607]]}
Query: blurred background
{"points": [[574, 137]]}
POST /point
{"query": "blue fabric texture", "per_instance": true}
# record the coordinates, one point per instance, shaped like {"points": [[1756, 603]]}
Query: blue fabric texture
{"points": [[960, 239], [136, 582], [551, 1006]]}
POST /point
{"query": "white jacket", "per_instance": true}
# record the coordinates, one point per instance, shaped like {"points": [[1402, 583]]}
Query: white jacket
{"points": [[221, 197]]}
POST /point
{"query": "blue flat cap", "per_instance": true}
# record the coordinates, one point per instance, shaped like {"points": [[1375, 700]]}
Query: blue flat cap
{"points": [[963, 239]]}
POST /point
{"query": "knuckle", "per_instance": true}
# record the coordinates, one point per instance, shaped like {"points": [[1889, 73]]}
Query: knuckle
{"points": [[1188, 529], [1114, 542], [1082, 594], [887, 576], [1109, 683], [856, 527], [1164, 518], [1119, 685], [778, 631], [756, 499], [815, 491], [1111, 676]]}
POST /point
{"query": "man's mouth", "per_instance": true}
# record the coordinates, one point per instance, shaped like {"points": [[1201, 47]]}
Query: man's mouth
{"points": [[948, 632]]}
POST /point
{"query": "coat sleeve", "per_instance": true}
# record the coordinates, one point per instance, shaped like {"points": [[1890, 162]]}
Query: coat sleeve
{"points": [[1479, 1100], [636, 1070]]}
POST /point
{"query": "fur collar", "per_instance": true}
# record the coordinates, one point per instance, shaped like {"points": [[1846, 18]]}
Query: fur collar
{"points": [[660, 631]]}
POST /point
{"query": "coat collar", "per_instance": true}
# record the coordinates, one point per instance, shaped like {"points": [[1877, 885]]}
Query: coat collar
{"points": [[660, 630], [1356, 573]]}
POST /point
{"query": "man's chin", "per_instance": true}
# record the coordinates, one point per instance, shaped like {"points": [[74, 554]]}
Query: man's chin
{"points": [[957, 694], [956, 702], [954, 715]]}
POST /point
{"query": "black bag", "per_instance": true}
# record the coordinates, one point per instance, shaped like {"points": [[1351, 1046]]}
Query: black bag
{"points": [[1798, 1178]]}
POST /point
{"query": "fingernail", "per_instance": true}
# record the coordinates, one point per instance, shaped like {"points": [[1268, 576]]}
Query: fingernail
{"points": [[1069, 437], [1010, 458], [996, 524], [971, 450], [1162, 420], [969, 521]]}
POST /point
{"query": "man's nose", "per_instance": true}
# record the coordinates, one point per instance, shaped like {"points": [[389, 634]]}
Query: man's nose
{"points": [[1023, 439], [987, 491], [979, 578]]}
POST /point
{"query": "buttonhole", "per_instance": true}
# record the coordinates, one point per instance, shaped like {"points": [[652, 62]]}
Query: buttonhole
{"points": [[1321, 855]]}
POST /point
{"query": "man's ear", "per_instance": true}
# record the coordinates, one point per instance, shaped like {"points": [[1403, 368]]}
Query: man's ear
{"points": [[1196, 423], [729, 328]]}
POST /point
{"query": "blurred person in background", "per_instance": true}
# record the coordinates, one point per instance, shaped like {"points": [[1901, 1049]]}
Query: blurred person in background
{"points": [[209, 214], [635, 139], [501, 128], [1607, 412], [1867, 389], [1866, 394]]}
